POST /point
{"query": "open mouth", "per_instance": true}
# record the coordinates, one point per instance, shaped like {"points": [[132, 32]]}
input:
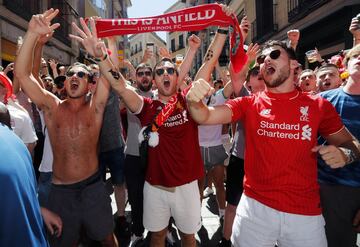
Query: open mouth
{"points": [[166, 83], [327, 84], [307, 84], [74, 85], [270, 70]]}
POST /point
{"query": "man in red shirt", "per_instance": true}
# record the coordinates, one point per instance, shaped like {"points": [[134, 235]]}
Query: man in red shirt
{"points": [[281, 201]]}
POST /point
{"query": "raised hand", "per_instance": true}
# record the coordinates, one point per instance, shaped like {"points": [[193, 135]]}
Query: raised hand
{"points": [[355, 27], [252, 51], [199, 90], [147, 55], [226, 9], [53, 64], [164, 53], [88, 38], [41, 23], [194, 42], [9, 67]]}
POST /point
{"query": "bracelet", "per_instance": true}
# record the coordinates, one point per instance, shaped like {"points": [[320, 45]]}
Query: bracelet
{"points": [[98, 60], [223, 31]]}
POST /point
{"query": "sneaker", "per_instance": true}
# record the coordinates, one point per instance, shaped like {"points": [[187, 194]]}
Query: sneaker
{"points": [[208, 191], [134, 240], [224, 243]]}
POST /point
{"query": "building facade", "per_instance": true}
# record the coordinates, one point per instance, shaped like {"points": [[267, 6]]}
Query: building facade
{"points": [[15, 14], [139, 43]]}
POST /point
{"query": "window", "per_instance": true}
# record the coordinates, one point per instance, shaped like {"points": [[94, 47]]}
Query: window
{"points": [[181, 41], [264, 17], [172, 44]]}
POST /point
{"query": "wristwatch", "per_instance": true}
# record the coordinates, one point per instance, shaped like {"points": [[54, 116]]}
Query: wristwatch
{"points": [[349, 154]]}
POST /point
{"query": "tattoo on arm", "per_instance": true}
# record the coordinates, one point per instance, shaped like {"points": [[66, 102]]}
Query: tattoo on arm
{"points": [[209, 54], [115, 74]]}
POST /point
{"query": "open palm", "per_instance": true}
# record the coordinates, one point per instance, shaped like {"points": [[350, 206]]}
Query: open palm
{"points": [[88, 38], [41, 23]]}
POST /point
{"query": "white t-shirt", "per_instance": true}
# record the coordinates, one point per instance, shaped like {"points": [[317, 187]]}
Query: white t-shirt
{"points": [[21, 123], [210, 135], [47, 157]]}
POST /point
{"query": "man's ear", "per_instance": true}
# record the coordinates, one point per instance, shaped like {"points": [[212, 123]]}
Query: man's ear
{"points": [[293, 64]]}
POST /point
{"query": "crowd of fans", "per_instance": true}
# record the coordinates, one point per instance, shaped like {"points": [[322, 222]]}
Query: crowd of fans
{"points": [[281, 137]]}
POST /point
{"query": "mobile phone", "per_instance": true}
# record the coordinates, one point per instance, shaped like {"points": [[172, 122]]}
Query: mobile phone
{"points": [[150, 46]]}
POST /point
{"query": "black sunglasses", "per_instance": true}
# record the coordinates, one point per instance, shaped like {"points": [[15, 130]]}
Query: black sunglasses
{"points": [[274, 54], [161, 71], [142, 73], [79, 74]]}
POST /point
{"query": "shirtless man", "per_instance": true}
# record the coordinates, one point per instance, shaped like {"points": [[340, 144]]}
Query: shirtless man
{"points": [[78, 194]]}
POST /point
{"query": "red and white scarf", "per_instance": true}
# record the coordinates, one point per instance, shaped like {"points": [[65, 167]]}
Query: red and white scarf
{"points": [[189, 19]]}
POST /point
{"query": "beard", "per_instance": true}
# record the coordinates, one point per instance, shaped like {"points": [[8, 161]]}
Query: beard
{"points": [[145, 88], [284, 74]]}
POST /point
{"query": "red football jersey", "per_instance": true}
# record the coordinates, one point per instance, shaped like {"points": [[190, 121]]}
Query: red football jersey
{"points": [[280, 131], [176, 160]]}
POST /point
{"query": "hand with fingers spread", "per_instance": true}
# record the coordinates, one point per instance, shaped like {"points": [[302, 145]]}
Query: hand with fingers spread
{"points": [[198, 91], [194, 42], [252, 51], [41, 24], [88, 38], [332, 155], [164, 53], [53, 64]]}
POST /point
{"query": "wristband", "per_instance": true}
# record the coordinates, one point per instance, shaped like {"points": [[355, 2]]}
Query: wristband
{"points": [[98, 60], [223, 31], [350, 155]]}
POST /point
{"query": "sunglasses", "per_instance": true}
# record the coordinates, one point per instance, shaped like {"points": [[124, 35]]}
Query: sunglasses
{"points": [[79, 74], [161, 71], [142, 73], [274, 54]]}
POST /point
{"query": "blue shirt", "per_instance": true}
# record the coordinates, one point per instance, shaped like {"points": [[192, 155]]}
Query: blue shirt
{"points": [[21, 223], [348, 107]]}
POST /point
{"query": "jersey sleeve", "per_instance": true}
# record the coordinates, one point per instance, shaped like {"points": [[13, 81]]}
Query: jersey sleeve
{"points": [[237, 107], [330, 122], [28, 131]]}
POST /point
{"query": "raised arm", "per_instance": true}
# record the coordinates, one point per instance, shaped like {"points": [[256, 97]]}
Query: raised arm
{"points": [[355, 30], [201, 113], [95, 47], [88, 38], [39, 25], [194, 44]]}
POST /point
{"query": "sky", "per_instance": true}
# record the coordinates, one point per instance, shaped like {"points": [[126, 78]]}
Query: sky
{"points": [[145, 8]]}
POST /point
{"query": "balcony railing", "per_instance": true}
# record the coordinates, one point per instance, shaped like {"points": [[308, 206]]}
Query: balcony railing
{"points": [[300, 8]]}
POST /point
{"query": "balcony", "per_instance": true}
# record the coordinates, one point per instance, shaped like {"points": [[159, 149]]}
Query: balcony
{"points": [[297, 9]]}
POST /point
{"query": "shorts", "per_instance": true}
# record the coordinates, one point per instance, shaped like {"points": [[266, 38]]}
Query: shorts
{"points": [[83, 206], [183, 205], [114, 160], [213, 156], [256, 224], [44, 187], [234, 180]]}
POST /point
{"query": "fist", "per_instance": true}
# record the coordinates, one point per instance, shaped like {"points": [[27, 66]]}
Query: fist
{"points": [[333, 156], [199, 90]]}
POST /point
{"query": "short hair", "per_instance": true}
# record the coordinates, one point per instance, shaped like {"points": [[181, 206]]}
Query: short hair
{"points": [[78, 64], [254, 71], [219, 81], [307, 70], [327, 66], [143, 66], [290, 51], [353, 51], [163, 60]]}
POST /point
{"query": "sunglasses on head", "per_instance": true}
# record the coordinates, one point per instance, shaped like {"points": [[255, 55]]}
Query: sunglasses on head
{"points": [[79, 74], [161, 71], [274, 54], [142, 73]]}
